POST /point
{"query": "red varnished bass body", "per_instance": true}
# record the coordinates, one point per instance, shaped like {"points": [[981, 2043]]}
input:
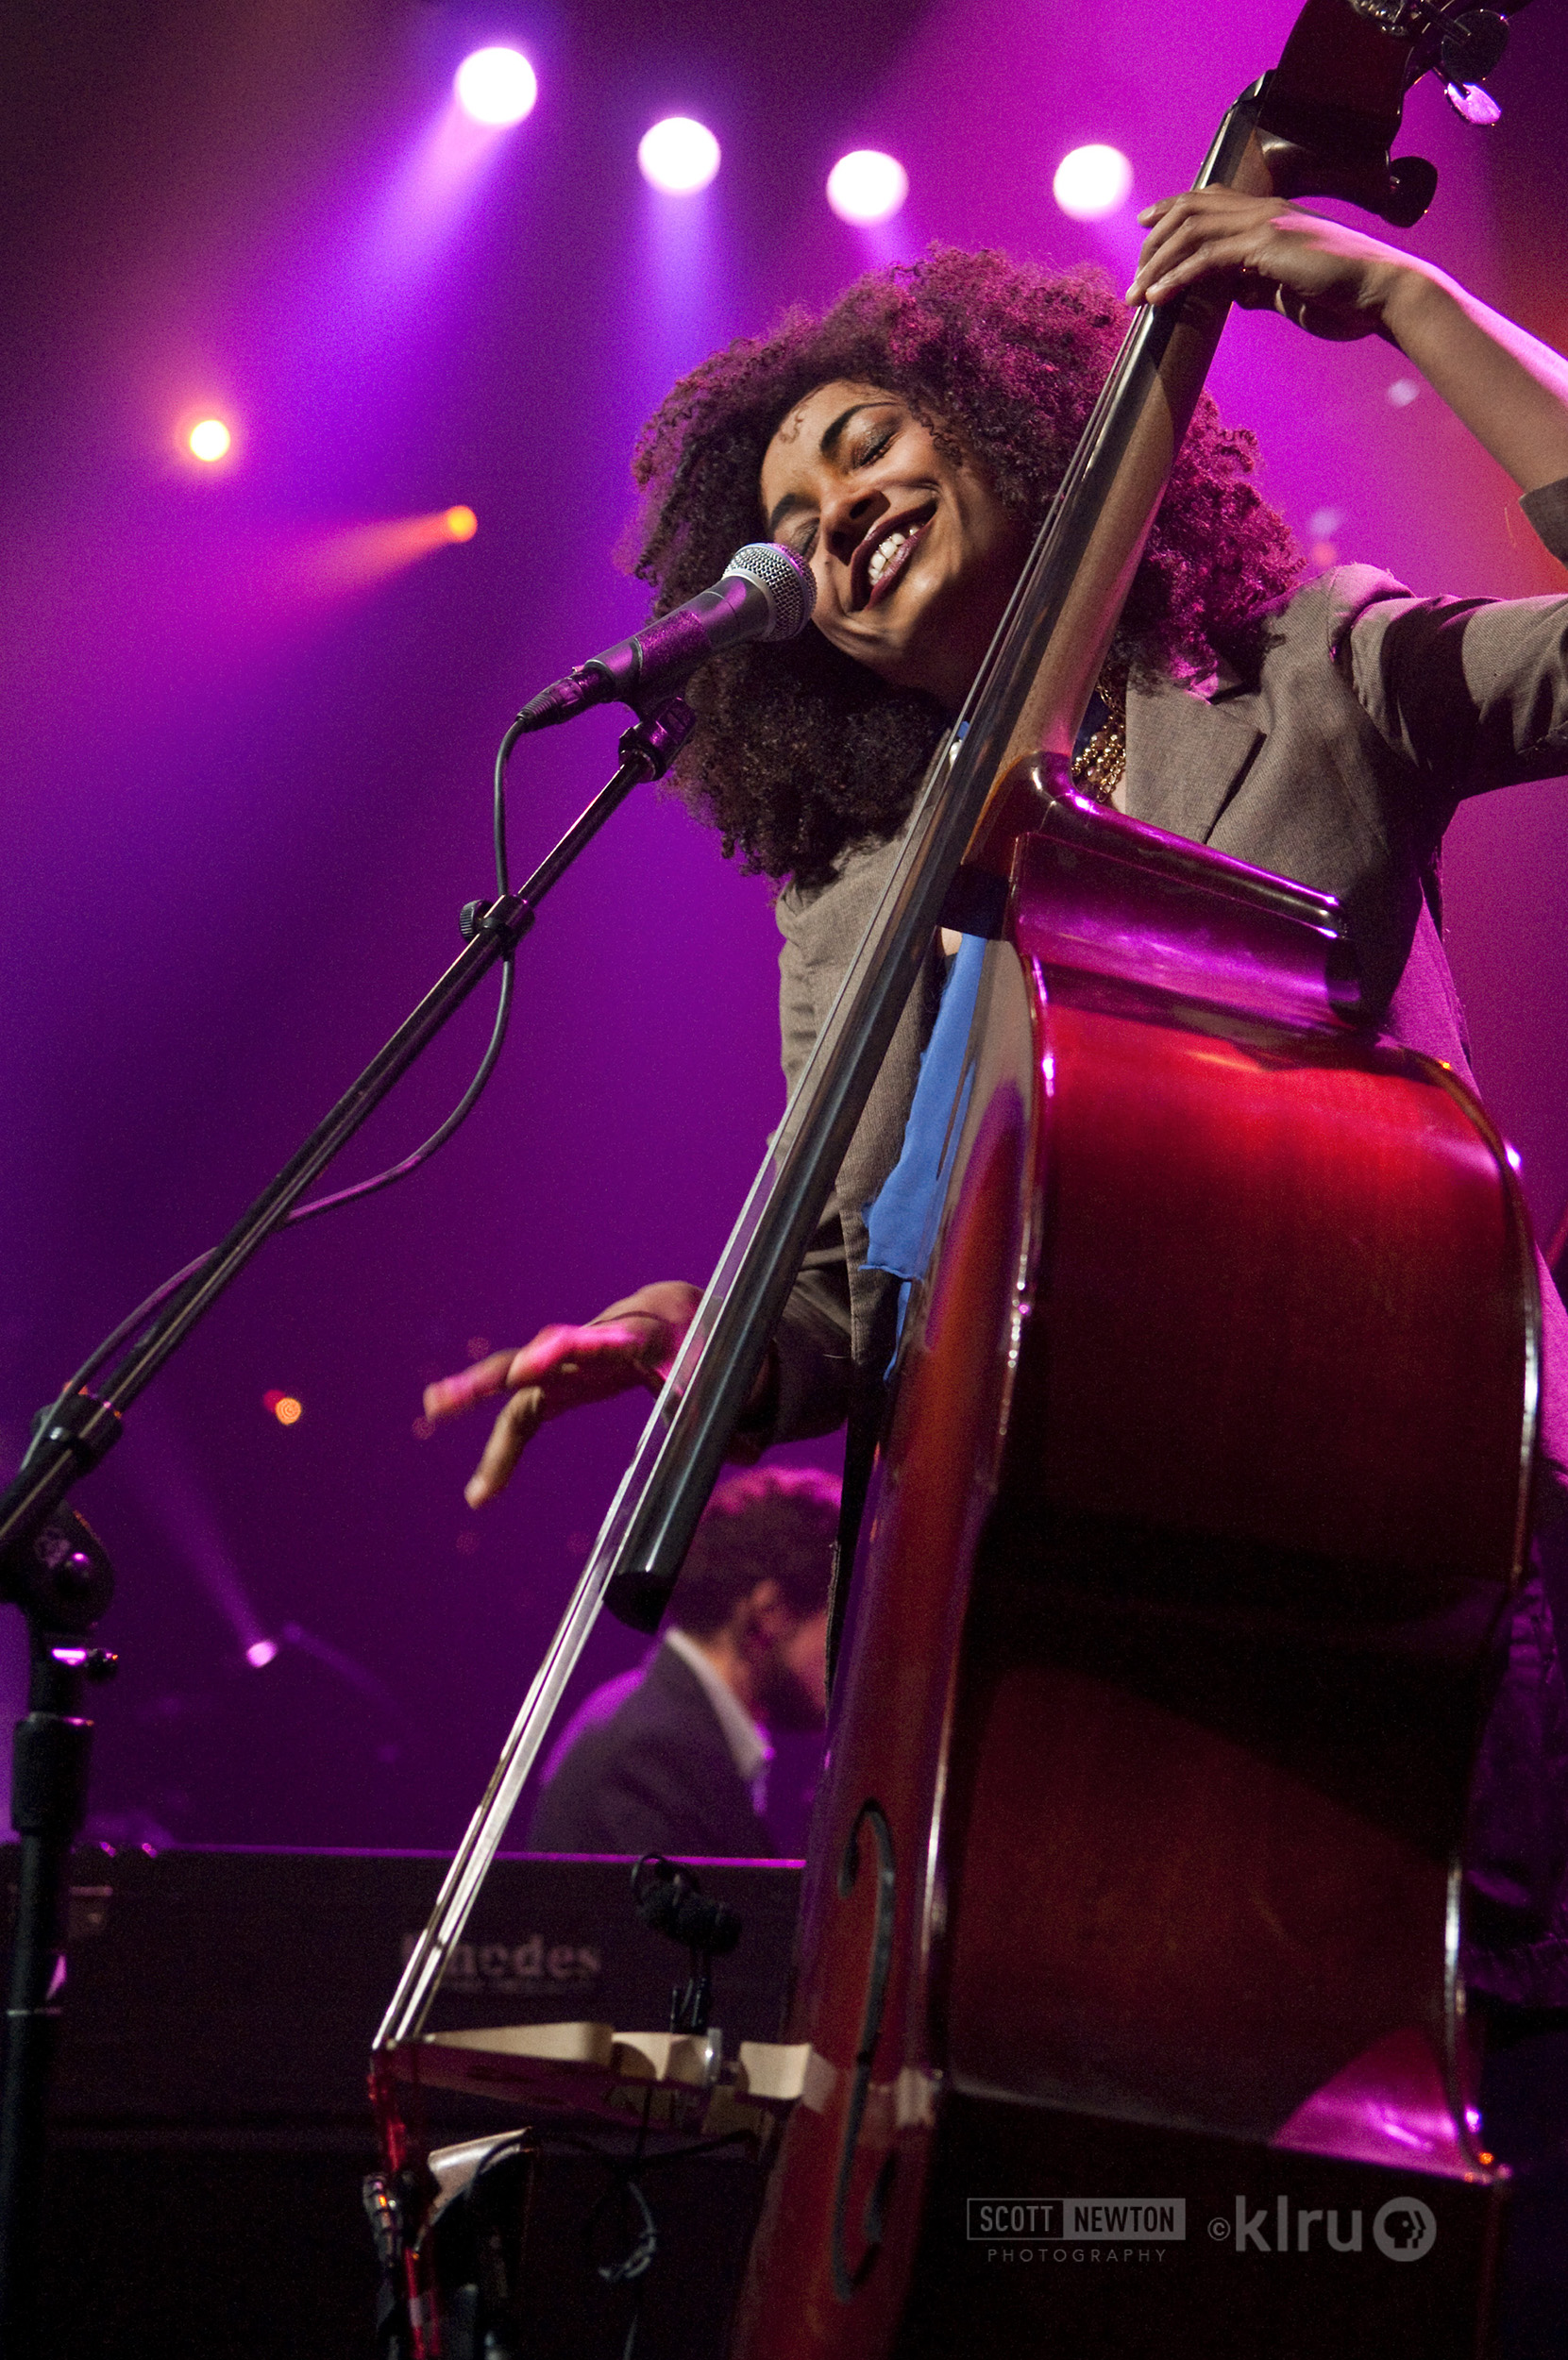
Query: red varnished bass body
{"points": [[1133, 1873]]}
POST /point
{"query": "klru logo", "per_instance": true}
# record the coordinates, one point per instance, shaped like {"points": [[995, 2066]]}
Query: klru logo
{"points": [[1403, 2230]]}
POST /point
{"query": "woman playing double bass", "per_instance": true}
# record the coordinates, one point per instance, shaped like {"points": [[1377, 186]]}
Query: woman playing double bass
{"points": [[907, 445]]}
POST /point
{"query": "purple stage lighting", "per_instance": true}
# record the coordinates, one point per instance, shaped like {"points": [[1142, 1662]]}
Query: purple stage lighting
{"points": [[678, 155], [209, 440], [867, 186], [259, 1653], [1092, 182], [495, 86]]}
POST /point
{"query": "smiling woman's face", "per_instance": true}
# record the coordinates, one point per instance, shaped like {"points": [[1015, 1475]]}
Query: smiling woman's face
{"points": [[915, 556]]}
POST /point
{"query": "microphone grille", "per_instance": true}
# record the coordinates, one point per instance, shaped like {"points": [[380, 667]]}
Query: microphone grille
{"points": [[787, 581]]}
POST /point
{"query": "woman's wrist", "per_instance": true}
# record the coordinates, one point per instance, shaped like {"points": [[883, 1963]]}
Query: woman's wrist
{"points": [[1411, 304]]}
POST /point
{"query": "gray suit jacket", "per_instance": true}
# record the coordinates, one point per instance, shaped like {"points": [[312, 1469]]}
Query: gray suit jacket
{"points": [[1374, 714]]}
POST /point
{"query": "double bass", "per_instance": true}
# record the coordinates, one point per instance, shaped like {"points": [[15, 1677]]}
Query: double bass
{"points": [[1132, 1882]]}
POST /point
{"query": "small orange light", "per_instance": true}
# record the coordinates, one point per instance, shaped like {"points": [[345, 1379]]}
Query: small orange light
{"points": [[461, 523], [283, 1408]]}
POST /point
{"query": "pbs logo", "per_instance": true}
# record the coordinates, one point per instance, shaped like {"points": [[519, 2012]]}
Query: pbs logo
{"points": [[1405, 2229]]}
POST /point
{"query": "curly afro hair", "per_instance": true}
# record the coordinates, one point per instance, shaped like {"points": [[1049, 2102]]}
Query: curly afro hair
{"points": [[799, 751]]}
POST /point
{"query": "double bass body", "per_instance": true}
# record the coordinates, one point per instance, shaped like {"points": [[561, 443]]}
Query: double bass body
{"points": [[1133, 1867]]}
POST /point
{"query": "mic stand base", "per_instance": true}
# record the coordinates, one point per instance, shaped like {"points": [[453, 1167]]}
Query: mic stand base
{"points": [[51, 1752]]}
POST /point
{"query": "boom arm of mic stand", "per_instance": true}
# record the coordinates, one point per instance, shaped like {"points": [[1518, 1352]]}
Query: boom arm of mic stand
{"points": [[82, 1430]]}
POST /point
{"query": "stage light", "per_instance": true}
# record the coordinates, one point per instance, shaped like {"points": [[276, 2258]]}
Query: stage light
{"points": [[867, 186], [259, 1653], [1323, 550], [495, 86], [284, 1407], [209, 440], [1092, 182], [678, 155], [350, 558]]}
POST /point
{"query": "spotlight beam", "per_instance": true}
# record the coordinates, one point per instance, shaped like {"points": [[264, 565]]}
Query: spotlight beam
{"points": [[497, 87], [866, 187], [678, 155]]}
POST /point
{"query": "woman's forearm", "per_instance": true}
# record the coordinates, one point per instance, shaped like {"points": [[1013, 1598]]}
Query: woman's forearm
{"points": [[1510, 389]]}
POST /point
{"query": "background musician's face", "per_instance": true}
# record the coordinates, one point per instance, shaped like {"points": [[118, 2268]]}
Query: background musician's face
{"points": [[915, 556], [777, 1660], [795, 1693]]}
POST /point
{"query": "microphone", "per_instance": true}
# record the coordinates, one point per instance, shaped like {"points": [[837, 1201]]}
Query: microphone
{"points": [[670, 1900], [765, 592]]}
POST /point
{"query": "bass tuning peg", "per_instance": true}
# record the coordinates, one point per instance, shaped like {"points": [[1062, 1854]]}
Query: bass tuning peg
{"points": [[1471, 47]]}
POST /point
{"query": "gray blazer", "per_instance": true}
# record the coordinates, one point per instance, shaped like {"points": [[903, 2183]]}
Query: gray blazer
{"points": [[1374, 714]]}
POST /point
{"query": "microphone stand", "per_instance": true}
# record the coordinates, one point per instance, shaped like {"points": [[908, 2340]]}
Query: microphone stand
{"points": [[53, 1569]]}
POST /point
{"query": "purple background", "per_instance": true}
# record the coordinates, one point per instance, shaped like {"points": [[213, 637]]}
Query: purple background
{"points": [[246, 799]]}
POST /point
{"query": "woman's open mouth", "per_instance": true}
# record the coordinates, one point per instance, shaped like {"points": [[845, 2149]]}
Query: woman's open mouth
{"points": [[878, 563]]}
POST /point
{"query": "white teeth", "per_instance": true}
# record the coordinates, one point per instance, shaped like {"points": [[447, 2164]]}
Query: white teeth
{"points": [[883, 556]]}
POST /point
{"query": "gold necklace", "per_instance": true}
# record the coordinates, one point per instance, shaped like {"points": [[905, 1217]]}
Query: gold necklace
{"points": [[1102, 765]]}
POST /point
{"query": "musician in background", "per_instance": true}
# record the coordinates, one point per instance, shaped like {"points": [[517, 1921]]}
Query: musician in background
{"points": [[674, 1756]]}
